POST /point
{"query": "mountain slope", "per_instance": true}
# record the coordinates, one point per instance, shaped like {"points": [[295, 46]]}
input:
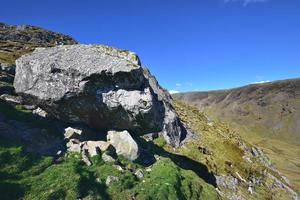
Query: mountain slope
{"points": [[265, 114]]}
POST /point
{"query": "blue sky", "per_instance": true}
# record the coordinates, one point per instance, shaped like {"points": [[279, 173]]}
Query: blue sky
{"points": [[187, 44]]}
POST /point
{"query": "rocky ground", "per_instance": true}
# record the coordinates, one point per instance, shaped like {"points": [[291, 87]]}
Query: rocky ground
{"points": [[88, 122]]}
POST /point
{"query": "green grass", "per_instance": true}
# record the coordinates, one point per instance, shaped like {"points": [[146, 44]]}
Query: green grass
{"points": [[29, 176], [182, 173], [16, 168], [223, 144], [168, 181], [21, 114]]}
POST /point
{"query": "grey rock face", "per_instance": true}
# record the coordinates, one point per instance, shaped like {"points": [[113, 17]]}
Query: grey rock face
{"points": [[228, 182], [124, 144], [103, 87]]}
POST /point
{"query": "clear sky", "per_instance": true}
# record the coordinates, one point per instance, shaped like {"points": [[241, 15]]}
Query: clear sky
{"points": [[187, 44]]}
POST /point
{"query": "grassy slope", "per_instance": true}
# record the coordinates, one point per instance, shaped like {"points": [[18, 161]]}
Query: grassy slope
{"points": [[222, 142], [21, 41], [274, 126], [183, 173], [29, 176]]}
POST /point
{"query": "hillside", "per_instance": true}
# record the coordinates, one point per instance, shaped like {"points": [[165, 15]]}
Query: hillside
{"points": [[265, 114], [20, 39], [88, 122]]}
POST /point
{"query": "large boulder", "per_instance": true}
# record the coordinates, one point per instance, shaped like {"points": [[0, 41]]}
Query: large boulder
{"points": [[103, 87]]}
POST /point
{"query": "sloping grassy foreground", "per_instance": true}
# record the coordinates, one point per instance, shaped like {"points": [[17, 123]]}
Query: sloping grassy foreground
{"points": [[183, 173], [30, 176], [219, 148]]}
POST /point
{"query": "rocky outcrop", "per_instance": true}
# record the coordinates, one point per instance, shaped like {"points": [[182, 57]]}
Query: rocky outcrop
{"points": [[124, 144], [103, 87], [32, 34], [21, 39]]}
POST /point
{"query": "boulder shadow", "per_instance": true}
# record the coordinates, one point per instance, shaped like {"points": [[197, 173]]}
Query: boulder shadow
{"points": [[184, 162]]}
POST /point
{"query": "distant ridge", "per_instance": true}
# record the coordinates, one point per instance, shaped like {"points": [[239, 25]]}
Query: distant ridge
{"points": [[265, 113]]}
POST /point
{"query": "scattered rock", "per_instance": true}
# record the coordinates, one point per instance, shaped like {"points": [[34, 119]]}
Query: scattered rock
{"points": [[228, 182], [157, 157], [240, 177], [98, 180], [86, 159], [30, 107], [74, 145], [118, 167], [148, 169], [59, 153], [204, 150], [103, 87], [258, 153], [40, 112], [72, 133], [124, 144], [277, 183], [250, 189], [139, 173], [11, 99], [95, 147], [150, 136], [107, 158], [110, 180]]}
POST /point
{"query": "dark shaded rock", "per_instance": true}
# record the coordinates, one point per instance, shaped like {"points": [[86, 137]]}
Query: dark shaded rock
{"points": [[103, 87], [9, 68], [35, 139]]}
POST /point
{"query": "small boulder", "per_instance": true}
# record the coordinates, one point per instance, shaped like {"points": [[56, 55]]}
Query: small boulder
{"points": [[95, 147], [107, 158], [11, 99], [86, 159], [110, 180], [119, 168], [139, 173], [124, 144], [71, 133], [74, 145], [40, 112]]}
